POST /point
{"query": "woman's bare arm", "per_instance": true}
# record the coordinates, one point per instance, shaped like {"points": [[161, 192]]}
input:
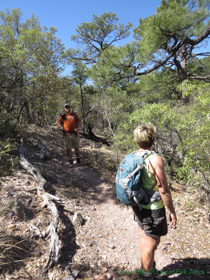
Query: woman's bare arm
{"points": [[158, 170]]}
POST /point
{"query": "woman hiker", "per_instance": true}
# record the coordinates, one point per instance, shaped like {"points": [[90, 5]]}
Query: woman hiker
{"points": [[152, 217]]}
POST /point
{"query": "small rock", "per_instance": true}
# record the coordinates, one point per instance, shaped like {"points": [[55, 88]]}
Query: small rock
{"points": [[104, 270], [77, 219]]}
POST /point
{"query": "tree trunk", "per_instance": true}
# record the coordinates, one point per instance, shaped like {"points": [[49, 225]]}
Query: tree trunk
{"points": [[83, 110], [185, 99]]}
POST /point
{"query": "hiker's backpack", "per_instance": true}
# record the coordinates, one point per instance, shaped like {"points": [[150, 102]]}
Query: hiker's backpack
{"points": [[128, 184]]}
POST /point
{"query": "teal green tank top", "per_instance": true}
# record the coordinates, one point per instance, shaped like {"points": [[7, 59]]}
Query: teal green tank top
{"points": [[148, 181]]}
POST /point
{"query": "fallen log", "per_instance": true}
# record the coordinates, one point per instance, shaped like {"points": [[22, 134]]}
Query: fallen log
{"points": [[50, 201], [95, 138]]}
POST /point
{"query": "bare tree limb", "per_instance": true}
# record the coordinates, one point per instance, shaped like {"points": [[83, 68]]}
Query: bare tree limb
{"points": [[50, 202]]}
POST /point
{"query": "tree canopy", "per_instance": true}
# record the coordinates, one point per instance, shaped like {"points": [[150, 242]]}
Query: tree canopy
{"points": [[30, 59], [94, 37], [168, 39]]}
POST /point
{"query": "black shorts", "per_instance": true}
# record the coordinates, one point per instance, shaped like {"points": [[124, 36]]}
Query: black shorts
{"points": [[153, 222]]}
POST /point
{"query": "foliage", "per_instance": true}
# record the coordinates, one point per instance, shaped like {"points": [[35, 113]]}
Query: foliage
{"points": [[30, 59], [164, 47], [168, 39], [182, 133], [116, 64], [94, 37], [80, 78]]}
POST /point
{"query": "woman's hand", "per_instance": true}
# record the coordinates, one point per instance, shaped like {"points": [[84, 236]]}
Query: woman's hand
{"points": [[173, 220]]}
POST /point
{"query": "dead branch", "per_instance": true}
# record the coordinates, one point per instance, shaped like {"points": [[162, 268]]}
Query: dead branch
{"points": [[22, 150], [205, 188], [49, 201], [91, 109], [95, 138], [44, 153]]}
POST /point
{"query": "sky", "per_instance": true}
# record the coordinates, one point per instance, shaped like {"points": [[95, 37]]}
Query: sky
{"points": [[67, 15]]}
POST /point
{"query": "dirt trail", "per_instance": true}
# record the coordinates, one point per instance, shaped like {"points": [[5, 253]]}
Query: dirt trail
{"points": [[114, 232], [109, 236]]}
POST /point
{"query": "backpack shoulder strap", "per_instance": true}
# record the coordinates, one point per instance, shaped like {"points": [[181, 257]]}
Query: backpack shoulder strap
{"points": [[74, 115], [153, 153], [142, 154]]}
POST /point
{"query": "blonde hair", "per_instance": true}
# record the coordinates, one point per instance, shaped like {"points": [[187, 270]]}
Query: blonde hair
{"points": [[144, 135]]}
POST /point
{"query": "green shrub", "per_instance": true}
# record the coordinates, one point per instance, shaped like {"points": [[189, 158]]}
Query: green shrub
{"points": [[182, 134]]}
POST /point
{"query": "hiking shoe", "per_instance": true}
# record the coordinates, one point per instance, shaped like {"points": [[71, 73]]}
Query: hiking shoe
{"points": [[149, 277], [158, 274], [78, 161], [71, 163], [146, 276]]}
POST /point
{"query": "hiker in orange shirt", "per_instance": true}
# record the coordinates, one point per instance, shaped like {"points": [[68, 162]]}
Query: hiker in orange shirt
{"points": [[70, 123]]}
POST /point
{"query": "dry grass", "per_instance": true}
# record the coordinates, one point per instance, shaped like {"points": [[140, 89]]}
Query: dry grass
{"points": [[12, 249]]}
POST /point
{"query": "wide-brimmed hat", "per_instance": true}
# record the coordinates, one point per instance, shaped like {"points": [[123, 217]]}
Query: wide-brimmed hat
{"points": [[67, 105]]}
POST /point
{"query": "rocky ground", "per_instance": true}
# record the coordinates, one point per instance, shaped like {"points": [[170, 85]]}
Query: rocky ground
{"points": [[104, 243]]}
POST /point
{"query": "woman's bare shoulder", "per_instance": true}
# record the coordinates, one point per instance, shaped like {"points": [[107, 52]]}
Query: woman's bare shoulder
{"points": [[157, 160]]}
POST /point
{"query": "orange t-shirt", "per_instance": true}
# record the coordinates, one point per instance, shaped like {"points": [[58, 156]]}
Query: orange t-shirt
{"points": [[70, 122]]}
